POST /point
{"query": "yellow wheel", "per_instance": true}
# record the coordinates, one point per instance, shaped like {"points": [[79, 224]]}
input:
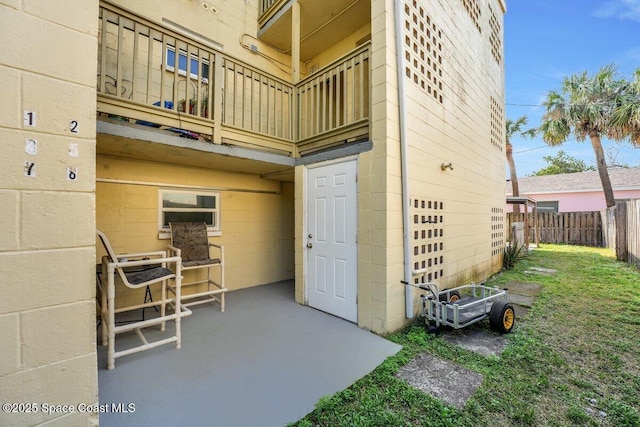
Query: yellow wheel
{"points": [[454, 296], [502, 317]]}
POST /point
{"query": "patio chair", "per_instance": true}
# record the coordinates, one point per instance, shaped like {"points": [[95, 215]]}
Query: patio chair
{"points": [[189, 241], [138, 270]]}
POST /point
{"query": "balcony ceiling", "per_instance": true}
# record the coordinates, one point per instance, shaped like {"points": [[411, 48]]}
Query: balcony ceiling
{"points": [[157, 146], [322, 24]]}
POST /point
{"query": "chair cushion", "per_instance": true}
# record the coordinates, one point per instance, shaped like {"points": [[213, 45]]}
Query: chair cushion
{"points": [[191, 239], [197, 262], [139, 277]]}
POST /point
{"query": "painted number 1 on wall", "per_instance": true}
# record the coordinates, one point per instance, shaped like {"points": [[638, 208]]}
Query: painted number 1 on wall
{"points": [[30, 118]]}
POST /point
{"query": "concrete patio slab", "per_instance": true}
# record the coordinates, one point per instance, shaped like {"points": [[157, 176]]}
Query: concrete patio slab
{"points": [[265, 361], [441, 379]]}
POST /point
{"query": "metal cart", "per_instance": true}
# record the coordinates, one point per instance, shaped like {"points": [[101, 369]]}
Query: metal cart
{"points": [[466, 305]]}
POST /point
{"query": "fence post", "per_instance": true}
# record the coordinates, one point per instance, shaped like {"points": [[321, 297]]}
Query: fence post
{"points": [[621, 231]]}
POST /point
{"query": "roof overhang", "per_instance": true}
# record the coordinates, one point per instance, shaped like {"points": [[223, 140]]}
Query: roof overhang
{"points": [[529, 201]]}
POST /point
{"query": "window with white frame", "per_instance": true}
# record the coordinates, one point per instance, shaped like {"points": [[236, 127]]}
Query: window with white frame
{"points": [[182, 64], [189, 206]]}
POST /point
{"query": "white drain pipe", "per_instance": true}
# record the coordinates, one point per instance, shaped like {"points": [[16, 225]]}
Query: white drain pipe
{"points": [[404, 161]]}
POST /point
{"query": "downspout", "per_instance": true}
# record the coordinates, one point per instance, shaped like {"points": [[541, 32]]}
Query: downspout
{"points": [[404, 163]]}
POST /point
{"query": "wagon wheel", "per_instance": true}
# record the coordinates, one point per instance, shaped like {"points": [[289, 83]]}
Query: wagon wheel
{"points": [[502, 317], [453, 297]]}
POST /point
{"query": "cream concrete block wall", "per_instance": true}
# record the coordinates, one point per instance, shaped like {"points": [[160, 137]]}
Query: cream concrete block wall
{"points": [[69, 382], [257, 221], [300, 253], [47, 197], [373, 237], [458, 131]]}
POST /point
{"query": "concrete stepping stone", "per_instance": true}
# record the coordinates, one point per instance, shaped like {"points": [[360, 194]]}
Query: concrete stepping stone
{"points": [[523, 300], [540, 271], [522, 295], [523, 288], [444, 380], [479, 342]]}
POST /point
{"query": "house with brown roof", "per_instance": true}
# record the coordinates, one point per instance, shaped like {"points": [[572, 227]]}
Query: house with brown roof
{"points": [[578, 192]]}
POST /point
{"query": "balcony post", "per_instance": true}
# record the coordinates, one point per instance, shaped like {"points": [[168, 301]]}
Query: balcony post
{"points": [[295, 64], [295, 42], [217, 102]]}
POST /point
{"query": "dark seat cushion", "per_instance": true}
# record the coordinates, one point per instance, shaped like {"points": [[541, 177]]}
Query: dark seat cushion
{"points": [[138, 277]]}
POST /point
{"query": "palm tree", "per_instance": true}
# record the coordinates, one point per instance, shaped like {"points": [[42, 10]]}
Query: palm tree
{"points": [[585, 107], [513, 128], [625, 121]]}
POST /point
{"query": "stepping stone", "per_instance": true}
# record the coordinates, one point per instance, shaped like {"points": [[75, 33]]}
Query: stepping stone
{"points": [[522, 296], [523, 300], [441, 379], [520, 311], [541, 271], [544, 270], [479, 342], [523, 288]]}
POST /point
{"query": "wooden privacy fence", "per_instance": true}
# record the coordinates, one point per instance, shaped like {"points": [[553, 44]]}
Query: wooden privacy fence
{"points": [[621, 225], [574, 228]]}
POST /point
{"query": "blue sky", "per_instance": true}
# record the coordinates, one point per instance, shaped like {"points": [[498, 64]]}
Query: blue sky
{"points": [[546, 40]]}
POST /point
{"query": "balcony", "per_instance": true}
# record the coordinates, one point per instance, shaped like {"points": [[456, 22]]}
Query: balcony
{"points": [[150, 76], [323, 23]]}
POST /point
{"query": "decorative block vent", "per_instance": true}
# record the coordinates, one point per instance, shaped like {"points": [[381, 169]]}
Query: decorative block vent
{"points": [[497, 124], [428, 239], [497, 231], [474, 12], [423, 50], [495, 38]]}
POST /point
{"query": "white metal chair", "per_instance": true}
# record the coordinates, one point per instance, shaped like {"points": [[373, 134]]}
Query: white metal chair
{"points": [[190, 242], [138, 270]]}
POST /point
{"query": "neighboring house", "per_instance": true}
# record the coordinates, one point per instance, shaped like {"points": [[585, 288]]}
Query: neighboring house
{"points": [[292, 128], [578, 192]]}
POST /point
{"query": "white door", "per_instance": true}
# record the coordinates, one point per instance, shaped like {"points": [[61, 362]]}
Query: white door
{"points": [[332, 277]]}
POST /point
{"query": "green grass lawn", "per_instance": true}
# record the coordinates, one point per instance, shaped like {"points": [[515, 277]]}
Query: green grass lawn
{"points": [[573, 359]]}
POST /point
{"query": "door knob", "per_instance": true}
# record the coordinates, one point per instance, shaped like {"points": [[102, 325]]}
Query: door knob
{"points": [[309, 245]]}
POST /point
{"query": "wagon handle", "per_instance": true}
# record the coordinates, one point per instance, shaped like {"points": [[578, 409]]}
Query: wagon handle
{"points": [[425, 287]]}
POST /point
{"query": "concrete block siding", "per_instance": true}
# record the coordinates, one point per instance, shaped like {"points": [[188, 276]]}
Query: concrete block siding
{"points": [[47, 309]]}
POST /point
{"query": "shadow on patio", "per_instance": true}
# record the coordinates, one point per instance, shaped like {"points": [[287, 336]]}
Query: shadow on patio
{"points": [[265, 361]]}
